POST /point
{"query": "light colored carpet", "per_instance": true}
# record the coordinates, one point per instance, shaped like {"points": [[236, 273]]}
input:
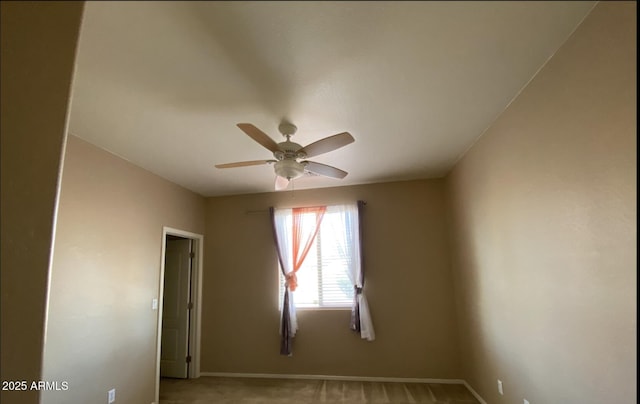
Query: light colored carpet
{"points": [[222, 390]]}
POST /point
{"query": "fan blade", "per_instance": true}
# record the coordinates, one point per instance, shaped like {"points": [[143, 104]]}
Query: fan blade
{"points": [[323, 169], [259, 136], [244, 163], [328, 144], [281, 183]]}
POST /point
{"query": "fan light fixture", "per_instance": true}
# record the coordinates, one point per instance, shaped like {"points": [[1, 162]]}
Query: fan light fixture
{"points": [[289, 169]]}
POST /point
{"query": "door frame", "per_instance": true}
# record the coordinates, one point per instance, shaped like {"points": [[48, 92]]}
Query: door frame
{"points": [[196, 298]]}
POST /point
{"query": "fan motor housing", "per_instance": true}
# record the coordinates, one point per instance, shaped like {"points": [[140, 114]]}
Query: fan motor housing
{"points": [[289, 150]]}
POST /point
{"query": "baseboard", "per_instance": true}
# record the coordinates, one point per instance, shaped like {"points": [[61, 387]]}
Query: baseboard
{"points": [[332, 377], [475, 393]]}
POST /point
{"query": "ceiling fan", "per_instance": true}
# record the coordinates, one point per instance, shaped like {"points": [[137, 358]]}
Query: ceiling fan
{"points": [[290, 157]]}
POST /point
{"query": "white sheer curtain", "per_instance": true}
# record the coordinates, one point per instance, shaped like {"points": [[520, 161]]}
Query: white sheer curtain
{"points": [[283, 223], [348, 231], [294, 232]]}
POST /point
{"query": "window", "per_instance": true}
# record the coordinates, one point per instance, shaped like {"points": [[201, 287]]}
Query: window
{"points": [[333, 233], [325, 278]]}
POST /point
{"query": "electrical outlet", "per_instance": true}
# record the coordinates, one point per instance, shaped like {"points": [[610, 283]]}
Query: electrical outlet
{"points": [[526, 401], [112, 396], [500, 388]]}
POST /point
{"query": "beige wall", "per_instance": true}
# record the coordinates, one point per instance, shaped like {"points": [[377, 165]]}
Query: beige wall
{"points": [[408, 286], [544, 210], [38, 53], [106, 266]]}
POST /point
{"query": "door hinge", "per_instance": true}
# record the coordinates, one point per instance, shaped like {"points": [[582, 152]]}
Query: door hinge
{"points": [[190, 305], [192, 255], [189, 359]]}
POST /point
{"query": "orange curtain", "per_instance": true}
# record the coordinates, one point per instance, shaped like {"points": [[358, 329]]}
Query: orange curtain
{"points": [[304, 233]]}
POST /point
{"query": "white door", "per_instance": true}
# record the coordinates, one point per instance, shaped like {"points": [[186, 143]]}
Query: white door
{"points": [[175, 309]]}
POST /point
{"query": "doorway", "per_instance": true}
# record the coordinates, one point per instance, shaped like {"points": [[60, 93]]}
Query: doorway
{"points": [[179, 306]]}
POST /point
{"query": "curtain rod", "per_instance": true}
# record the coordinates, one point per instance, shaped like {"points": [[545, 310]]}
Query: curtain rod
{"points": [[260, 211]]}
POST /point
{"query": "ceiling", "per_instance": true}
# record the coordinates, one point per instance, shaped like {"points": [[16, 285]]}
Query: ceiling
{"points": [[163, 84]]}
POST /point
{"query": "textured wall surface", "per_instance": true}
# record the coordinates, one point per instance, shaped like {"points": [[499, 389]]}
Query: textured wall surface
{"points": [[544, 224], [38, 52], [408, 287], [106, 270]]}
